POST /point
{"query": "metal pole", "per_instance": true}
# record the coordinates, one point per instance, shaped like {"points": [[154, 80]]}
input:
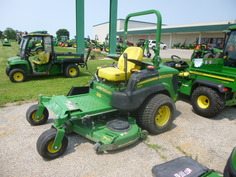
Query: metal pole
{"points": [[80, 26], [113, 27]]}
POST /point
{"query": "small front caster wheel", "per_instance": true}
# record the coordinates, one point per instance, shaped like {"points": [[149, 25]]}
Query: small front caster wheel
{"points": [[45, 142], [96, 147], [31, 115]]}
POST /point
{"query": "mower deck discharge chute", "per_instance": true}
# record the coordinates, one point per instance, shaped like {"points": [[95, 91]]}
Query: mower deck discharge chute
{"points": [[123, 100]]}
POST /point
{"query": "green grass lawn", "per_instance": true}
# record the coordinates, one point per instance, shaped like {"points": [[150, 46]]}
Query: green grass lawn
{"points": [[46, 85]]}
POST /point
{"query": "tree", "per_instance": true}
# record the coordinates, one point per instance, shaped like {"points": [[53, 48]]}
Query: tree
{"points": [[62, 32], [1, 34], [10, 33]]}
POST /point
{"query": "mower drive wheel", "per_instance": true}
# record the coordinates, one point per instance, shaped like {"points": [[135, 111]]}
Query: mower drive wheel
{"points": [[71, 70], [45, 143], [157, 114], [17, 75], [207, 102], [31, 115]]}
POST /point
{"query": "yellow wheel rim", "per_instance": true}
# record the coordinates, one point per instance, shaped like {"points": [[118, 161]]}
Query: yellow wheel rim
{"points": [[34, 117], [18, 76], [66, 45], [40, 51], [203, 102], [73, 71], [107, 48], [163, 116], [51, 150]]}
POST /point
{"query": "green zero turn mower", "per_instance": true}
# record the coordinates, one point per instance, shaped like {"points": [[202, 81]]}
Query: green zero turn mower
{"points": [[123, 100]]}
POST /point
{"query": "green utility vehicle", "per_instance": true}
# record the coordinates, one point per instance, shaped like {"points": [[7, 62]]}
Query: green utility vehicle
{"points": [[187, 167], [211, 82], [46, 62], [122, 99]]}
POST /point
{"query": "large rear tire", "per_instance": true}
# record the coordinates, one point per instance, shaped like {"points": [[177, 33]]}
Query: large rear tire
{"points": [[45, 142], [207, 102], [157, 114]]}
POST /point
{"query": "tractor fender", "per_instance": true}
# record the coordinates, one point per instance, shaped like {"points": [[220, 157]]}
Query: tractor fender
{"points": [[132, 100], [220, 87]]}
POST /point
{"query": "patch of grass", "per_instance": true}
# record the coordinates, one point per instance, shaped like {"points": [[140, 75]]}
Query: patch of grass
{"points": [[156, 147], [184, 152]]}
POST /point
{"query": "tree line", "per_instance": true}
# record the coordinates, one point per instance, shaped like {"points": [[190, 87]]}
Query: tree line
{"points": [[12, 34]]}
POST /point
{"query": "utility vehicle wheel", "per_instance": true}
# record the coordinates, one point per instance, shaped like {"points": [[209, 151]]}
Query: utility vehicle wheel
{"points": [[71, 70], [17, 75], [45, 142], [31, 115], [207, 102], [107, 49], [208, 55], [157, 114], [39, 51]]}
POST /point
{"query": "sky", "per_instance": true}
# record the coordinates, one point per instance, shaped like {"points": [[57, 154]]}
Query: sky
{"points": [[52, 15]]}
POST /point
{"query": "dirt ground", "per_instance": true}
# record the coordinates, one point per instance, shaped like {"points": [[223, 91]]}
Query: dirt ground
{"points": [[209, 141]]}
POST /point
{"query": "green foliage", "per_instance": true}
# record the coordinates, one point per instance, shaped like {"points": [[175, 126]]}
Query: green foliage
{"points": [[62, 32], [10, 33], [1, 34]]}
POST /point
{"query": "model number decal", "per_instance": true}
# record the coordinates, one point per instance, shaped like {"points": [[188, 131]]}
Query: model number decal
{"points": [[104, 90]]}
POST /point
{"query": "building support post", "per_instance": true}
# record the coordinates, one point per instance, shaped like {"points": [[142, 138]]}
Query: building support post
{"points": [[113, 27], [79, 26]]}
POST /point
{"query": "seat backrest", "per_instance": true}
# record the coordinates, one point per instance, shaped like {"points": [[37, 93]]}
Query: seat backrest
{"points": [[44, 57], [135, 53]]}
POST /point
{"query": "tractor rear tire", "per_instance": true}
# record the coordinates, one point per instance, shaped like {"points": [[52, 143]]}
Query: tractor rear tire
{"points": [[157, 114], [17, 75], [45, 142], [31, 115], [208, 55], [207, 102], [71, 70]]}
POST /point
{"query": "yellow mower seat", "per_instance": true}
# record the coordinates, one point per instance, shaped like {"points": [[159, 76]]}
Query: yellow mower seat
{"points": [[43, 58], [118, 74]]}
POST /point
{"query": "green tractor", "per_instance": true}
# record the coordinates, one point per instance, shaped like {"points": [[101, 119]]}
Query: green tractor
{"points": [[187, 167], [123, 101], [6, 42], [66, 42], [211, 82], [30, 62]]}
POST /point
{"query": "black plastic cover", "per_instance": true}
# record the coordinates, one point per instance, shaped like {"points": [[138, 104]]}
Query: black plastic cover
{"points": [[180, 167]]}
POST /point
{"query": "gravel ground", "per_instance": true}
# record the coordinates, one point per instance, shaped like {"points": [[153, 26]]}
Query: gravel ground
{"points": [[209, 141]]}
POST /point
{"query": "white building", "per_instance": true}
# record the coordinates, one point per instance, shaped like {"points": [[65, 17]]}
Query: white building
{"points": [[211, 32]]}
